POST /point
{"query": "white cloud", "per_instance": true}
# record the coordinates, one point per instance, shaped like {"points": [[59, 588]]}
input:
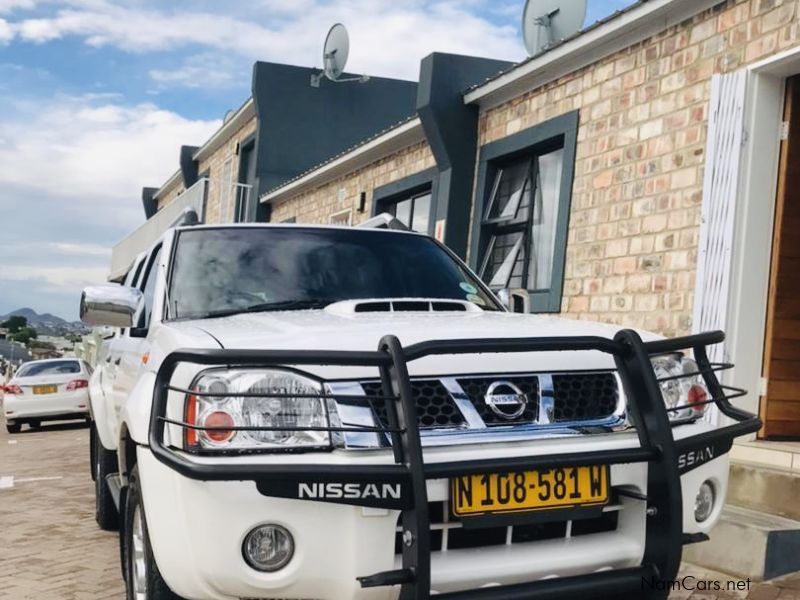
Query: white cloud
{"points": [[388, 38], [202, 71], [93, 151], [58, 277], [71, 174], [82, 249], [6, 32]]}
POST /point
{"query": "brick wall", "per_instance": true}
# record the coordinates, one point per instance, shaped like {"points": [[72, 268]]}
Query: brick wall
{"points": [[318, 204], [175, 190], [634, 226], [215, 165]]}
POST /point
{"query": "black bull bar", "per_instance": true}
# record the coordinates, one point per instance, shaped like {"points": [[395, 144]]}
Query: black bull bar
{"points": [[657, 447]]}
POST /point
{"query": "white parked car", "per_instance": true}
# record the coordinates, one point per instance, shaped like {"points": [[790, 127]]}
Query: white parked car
{"points": [[345, 413], [47, 390]]}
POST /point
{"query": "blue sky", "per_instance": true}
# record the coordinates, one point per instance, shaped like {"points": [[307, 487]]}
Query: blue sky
{"points": [[96, 96]]}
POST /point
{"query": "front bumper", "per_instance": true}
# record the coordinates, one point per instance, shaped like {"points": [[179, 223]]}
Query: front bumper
{"points": [[658, 469], [198, 535]]}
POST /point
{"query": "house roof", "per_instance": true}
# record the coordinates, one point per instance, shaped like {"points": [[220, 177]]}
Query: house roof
{"points": [[618, 31], [591, 27], [393, 138]]}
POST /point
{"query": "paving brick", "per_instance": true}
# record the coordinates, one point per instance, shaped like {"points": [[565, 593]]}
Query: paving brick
{"points": [[50, 545]]}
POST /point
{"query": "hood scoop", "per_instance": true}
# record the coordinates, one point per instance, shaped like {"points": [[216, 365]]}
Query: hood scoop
{"points": [[394, 305]]}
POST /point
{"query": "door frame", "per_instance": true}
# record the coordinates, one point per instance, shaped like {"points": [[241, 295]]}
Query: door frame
{"points": [[756, 200]]}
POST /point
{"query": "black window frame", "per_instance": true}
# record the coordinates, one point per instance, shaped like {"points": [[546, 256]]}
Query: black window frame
{"points": [[143, 319], [557, 133], [386, 197], [247, 148]]}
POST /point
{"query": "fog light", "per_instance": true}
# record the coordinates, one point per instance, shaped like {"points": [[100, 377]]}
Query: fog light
{"points": [[268, 547], [704, 502]]}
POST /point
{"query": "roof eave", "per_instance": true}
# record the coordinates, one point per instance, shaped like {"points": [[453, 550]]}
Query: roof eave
{"points": [[393, 140], [168, 184], [241, 117], [629, 28]]}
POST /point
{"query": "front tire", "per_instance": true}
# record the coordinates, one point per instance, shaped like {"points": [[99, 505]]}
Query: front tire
{"points": [[13, 427], [105, 463], [143, 580]]}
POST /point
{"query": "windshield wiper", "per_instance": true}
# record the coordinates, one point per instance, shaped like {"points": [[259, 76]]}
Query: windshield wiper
{"points": [[267, 307]]}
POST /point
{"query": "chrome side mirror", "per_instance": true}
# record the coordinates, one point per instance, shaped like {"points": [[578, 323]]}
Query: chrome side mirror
{"points": [[515, 299], [111, 305]]}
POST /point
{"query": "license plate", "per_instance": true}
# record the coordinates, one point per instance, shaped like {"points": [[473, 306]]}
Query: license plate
{"points": [[45, 389], [529, 490]]}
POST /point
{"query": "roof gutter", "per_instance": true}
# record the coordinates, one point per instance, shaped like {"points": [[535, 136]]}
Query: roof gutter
{"points": [[395, 139], [168, 185], [241, 117], [630, 27]]}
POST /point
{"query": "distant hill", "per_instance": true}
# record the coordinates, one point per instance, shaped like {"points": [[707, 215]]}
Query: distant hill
{"points": [[46, 323]]}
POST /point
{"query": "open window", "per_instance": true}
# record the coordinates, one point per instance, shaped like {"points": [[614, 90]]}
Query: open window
{"points": [[521, 223], [521, 230]]}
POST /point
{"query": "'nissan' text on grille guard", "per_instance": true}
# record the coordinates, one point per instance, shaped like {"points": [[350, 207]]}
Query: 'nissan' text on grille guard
{"points": [[408, 474]]}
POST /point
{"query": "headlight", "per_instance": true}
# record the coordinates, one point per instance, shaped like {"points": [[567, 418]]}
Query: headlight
{"points": [[294, 403], [689, 392]]}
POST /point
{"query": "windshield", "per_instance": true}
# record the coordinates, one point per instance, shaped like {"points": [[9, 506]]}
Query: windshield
{"points": [[58, 367], [227, 270]]}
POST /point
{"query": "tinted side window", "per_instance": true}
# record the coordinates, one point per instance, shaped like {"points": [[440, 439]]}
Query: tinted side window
{"points": [[149, 289], [130, 280]]}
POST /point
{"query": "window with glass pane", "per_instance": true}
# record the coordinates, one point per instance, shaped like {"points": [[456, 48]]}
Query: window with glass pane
{"points": [[521, 221], [413, 212]]}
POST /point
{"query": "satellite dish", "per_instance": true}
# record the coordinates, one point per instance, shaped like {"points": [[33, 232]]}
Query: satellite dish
{"points": [[334, 57], [337, 49], [545, 22]]}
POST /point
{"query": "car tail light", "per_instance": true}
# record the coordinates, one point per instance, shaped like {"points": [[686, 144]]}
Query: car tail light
{"points": [[77, 384], [13, 389]]}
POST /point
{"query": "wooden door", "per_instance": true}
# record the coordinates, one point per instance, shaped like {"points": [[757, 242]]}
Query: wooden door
{"points": [[780, 407]]}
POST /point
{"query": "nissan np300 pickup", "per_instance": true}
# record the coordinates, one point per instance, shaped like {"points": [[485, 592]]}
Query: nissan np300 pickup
{"points": [[306, 412]]}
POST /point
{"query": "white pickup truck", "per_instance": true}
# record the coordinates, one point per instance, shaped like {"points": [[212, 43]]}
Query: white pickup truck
{"points": [[329, 413]]}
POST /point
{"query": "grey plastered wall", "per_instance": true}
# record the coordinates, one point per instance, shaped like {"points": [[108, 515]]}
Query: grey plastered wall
{"points": [[188, 166], [149, 202], [300, 126], [451, 128]]}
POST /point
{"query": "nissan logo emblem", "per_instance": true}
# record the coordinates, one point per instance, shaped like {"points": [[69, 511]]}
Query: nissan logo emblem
{"points": [[505, 400]]}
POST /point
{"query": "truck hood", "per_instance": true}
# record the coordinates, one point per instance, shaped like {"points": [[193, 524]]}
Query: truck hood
{"points": [[322, 330]]}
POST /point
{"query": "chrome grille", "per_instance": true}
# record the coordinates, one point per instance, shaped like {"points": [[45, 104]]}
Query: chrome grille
{"points": [[566, 399], [435, 406]]}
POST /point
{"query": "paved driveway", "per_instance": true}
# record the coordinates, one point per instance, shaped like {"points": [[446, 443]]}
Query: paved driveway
{"points": [[50, 545], [51, 548]]}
